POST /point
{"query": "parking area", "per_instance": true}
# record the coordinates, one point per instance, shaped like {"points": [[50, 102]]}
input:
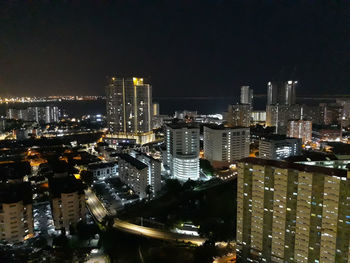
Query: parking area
{"points": [[114, 194]]}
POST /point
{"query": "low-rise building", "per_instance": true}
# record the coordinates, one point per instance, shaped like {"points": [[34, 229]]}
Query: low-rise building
{"points": [[102, 170], [16, 212], [279, 147], [67, 201]]}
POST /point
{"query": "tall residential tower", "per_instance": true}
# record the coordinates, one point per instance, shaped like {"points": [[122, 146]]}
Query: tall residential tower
{"points": [[182, 151], [293, 212], [129, 109], [246, 95]]}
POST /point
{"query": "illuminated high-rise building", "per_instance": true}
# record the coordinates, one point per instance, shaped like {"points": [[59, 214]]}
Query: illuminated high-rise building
{"points": [[129, 109], [238, 115], [300, 129], [279, 147], [246, 95], [281, 92], [293, 212], [281, 104], [155, 109], [182, 151], [223, 145], [16, 212]]}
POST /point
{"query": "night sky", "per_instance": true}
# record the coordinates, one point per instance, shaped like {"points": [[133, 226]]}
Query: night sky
{"points": [[188, 48]]}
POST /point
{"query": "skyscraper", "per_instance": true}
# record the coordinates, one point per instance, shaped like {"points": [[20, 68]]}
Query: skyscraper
{"points": [[129, 109], [292, 212], [182, 151], [281, 104], [238, 115], [300, 129], [281, 92], [246, 95]]}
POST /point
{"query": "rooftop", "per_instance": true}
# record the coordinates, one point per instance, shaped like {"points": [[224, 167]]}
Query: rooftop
{"points": [[278, 137], [101, 165], [180, 125], [223, 127], [309, 156], [133, 161], [66, 185], [13, 193], [296, 166]]}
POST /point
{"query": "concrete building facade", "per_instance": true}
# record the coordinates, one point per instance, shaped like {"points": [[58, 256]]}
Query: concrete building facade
{"points": [[182, 151], [129, 109], [292, 212], [67, 202], [300, 129], [279, 147], [16, 212], [223, 145]]}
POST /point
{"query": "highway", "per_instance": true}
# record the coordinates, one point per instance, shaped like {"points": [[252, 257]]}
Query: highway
{"points": [[99, 212], [155, 233], [95, 206]]}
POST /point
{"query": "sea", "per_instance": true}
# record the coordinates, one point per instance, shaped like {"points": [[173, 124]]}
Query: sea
{"points": [[167, 105]]}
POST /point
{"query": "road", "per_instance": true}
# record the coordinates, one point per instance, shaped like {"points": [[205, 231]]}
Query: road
{"points": [[99, 212], [95, 206], [155, 233]]}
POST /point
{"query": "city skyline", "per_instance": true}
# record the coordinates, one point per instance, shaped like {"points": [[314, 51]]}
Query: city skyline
{"points": [[70, 47], [203, 131]]}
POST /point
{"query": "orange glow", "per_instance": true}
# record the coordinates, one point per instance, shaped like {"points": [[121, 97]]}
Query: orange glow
{"points": [[77, 176], [45, 185], [4, 162], [28, 236], [64, 158]]}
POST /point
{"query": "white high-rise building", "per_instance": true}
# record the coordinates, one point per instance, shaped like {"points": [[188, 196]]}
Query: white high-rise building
{"points": [[223, 145], [300, 129], [246, 95], [182, 153]]}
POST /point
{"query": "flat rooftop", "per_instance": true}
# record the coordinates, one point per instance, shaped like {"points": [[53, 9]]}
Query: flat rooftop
{"points": [[297, 166], [13, 193], [65, 185], [181, 125], [133, 161], [223, 127]]}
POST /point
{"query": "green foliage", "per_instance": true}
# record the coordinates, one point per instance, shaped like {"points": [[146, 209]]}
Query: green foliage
{"points": [[206, 167], [87, 177]]}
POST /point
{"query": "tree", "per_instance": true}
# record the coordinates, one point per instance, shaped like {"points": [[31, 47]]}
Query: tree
{"points": [[87, 177], [173, 186], [149, 192], [206, 167]]}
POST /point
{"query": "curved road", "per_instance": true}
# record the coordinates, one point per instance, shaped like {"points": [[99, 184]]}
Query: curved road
{"points": [[99, 212]]}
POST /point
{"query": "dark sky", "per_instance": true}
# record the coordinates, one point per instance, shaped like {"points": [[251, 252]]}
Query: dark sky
{"points": [[188, 48]]}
